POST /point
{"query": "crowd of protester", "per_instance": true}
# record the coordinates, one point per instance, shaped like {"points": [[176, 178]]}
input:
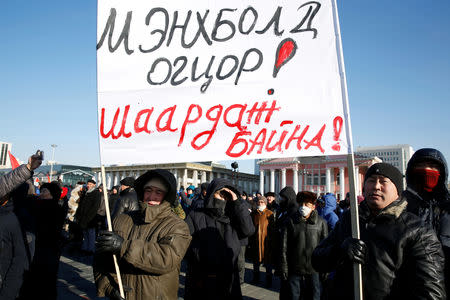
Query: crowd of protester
{"points": [[303, 238]]}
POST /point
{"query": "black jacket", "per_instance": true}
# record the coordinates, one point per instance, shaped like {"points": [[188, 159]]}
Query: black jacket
{"points": [[87, 209], [432, 208], [127, 202], [13, 179], [404, 260], [212, 256], [13, 257], [288, 207], [298, 240]]}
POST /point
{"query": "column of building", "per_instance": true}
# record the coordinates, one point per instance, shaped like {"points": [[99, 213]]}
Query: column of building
{"points": [[342, 182]]}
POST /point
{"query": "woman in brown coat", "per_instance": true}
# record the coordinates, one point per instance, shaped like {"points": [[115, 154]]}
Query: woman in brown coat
{"points": [[262, 219]]}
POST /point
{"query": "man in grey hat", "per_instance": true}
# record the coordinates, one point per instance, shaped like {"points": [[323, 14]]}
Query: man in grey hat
{"points": [[149, 243], [400, 258]]}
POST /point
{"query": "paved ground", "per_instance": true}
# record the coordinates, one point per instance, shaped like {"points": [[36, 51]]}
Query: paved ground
{"points": [[76, 281]]}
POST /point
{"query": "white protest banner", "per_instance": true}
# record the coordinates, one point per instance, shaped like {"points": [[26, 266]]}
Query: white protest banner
{"points": [[212, 80]]}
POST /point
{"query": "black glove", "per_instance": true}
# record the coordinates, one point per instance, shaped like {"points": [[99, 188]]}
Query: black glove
{"points": [[108, 241], [354, 250], [115, 295]]}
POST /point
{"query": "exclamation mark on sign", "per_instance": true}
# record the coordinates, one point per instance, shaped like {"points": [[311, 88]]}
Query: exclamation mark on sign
{"points": [[337, 126], [286, 50]]}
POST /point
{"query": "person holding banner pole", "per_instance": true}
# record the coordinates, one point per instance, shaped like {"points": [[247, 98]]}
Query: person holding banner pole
{"points": [[149, 244], [400, 258]]}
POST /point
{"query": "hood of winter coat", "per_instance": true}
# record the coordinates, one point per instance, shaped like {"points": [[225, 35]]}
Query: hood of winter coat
{"points": [[330, 202], [166, 176], [214, 186], [435, 156], [288, 199]]}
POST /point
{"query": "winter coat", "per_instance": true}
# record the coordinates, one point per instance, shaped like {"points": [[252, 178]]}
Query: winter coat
{"points": [[87, 209], [13, 257], [212, 256], [298, 240], [127, 202], [328, 211], [13, 179], [259, 242], [432, 208], [73, 202], [404, 259], [288, 207], [155, 242]]}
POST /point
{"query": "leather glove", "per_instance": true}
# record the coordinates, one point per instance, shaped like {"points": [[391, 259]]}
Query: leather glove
{"points": [[108, 241], [115, 295], [354, 250]]}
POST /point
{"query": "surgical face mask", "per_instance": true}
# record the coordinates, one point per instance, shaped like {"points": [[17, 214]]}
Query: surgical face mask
{"points": [[304, 210], [261, 207]]}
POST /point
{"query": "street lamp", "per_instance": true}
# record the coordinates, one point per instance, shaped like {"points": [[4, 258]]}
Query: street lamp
{"points": [[52, 161]]}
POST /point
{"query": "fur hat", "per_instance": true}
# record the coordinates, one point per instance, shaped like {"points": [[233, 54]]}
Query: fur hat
{"points": [[53, 188], [306, 196], [262, 198], [389, 171], [128, 181]]}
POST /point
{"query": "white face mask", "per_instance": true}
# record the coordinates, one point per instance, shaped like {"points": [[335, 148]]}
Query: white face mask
{"points": [[304, 210], [261, 207]]}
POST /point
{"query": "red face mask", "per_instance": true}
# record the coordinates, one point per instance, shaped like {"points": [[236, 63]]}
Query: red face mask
{"points": [[427, 178]]}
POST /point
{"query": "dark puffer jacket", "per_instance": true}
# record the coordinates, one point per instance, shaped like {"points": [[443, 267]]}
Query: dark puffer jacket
{"points": [[404, 259], [212, 256], [288, 207], [13, 179], [13, 257], [298, 240], [432, 208], [127, 202]]}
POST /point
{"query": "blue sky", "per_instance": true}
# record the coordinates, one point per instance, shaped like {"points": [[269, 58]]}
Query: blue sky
{"points": [[397, 59]]}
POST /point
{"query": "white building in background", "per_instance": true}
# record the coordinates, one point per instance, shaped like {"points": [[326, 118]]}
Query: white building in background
{"points": [[4, 157], [396, 155], [186, 174]]}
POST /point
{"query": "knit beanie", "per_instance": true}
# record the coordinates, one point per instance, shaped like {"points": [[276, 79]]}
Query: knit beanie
{"points": [[389, 171]]}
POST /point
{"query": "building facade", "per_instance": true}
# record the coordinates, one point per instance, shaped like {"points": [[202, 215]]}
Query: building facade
{"points": [[318, 174], [396, 155], [186, 174], [4, 157]]}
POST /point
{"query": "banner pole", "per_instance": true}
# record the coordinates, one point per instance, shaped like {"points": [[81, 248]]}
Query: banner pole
{"points": [[108, 220], [357, 272]]}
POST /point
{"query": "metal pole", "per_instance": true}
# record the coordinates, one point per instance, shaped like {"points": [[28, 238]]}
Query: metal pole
{"points": [[357, 272], [108, 220]]}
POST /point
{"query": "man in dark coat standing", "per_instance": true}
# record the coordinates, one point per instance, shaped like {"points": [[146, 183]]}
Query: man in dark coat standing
{"points": [[216, 233], [428, 198], [400, 258], [127, 198], [303, 232], [86, 215]]}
